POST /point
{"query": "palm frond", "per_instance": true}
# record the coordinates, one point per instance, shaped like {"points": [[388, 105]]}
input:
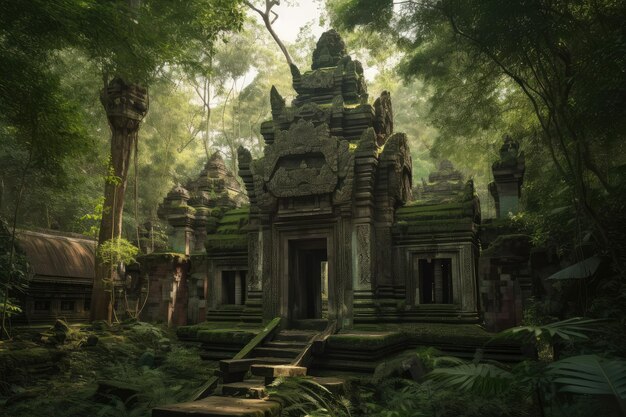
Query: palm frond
{"points": [[570, 330], [482, 378], [591, 375]]}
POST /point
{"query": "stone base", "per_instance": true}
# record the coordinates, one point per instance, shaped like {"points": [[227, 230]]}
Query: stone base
{"points": [[221, 407]]}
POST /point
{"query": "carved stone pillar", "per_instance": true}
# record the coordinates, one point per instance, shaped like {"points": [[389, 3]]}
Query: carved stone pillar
{"points": [[269, 269]]}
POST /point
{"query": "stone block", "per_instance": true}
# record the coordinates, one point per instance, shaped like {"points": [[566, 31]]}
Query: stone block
{"points": [[270, 372], [221, 407]]}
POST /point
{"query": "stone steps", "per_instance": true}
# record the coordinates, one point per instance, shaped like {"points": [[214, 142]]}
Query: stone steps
{"points": [[285, 344], [302, 336], [224, 315], [248, 398], [252, 388], [273, 352]]}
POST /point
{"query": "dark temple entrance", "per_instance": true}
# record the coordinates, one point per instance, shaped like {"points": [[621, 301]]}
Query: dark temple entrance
{"points": [[307, 270], [435, 281]]}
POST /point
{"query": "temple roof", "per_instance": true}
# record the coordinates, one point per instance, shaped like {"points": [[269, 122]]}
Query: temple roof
{"points": [[56, 255], [230, 233]]}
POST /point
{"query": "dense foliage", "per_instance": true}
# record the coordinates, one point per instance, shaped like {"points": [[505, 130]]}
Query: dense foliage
{"points": [[135, 357]]}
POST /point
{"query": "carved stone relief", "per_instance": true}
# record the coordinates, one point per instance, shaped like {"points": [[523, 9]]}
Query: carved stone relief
{"points": [[363, 253]]}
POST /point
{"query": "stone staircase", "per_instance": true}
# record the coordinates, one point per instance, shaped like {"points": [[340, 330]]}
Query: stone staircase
{"points": [[283, 354], [225, 315]]}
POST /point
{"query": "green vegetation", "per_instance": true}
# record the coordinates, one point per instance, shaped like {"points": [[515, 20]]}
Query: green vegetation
{"points": [[552, 83], [98, 370], [461, 73]]}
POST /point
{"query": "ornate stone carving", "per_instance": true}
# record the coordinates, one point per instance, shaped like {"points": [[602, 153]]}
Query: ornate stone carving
{"points": [[253, 257], [398, 157], [345, 188], [363, 253], [319, 79], [125, 104], [277, 102], [329, 50], [383, 120], [303, 160]]}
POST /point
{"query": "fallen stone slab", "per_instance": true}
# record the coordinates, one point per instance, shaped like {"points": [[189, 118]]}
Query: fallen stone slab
{"points": [[270, 372], [220, 407], [252, 388], [107, 389]]}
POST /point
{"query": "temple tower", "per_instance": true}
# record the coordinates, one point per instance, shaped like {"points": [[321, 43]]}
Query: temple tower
{"points": [[322, 196]]}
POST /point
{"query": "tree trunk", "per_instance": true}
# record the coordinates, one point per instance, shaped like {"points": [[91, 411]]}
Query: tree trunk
{"points": [[126, 105]]}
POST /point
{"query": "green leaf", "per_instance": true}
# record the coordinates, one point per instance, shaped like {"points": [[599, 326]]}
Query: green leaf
{"points": [[482, 378], [590, 375], [570, 330]]}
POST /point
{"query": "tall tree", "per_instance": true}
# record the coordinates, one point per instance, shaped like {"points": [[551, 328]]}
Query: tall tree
{"points": [[269, 17], [126, 103], [131, 41]]}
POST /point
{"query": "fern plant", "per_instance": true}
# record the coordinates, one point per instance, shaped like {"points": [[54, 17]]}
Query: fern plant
{"points": [[305, 397]]}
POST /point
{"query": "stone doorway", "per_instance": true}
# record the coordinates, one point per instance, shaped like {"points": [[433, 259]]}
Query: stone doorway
{"points": [[435, 281], [308, 283], [233, 287]]}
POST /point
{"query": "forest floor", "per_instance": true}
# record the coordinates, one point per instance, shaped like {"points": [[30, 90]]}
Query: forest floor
{"points": [[97, 370], [129, 368]]}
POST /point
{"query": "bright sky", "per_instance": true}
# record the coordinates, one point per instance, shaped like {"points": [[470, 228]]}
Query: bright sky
{"points": [[296, 14], [292, 17]]}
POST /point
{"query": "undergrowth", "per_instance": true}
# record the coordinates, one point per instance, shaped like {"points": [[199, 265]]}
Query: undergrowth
{"points": [[145, 357]]}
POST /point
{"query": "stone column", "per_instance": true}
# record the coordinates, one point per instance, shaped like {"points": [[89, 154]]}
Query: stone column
{"points": [[438, 279], [366, 163]]}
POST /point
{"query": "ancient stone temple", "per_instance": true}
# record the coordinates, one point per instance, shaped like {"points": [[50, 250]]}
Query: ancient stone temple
{"points": [[327, 235], [332, 228], [436, 248]]}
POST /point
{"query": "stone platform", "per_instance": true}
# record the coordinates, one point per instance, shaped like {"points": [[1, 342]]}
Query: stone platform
{"points": [[221, 407]]}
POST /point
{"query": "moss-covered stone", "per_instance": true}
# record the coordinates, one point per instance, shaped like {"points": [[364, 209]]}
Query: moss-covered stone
{"points": [[225, 337], [191, 332], [224, 242], [427, 334], [27, 359], [365, 340]]}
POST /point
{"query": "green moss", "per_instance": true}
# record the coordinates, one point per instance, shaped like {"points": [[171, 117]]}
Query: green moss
{"points": [[225, 336], [233, 221], [220, 242], [429, 224], [227, 229], [365, 340], [191, 332], [25, 361], [426, 334]]}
